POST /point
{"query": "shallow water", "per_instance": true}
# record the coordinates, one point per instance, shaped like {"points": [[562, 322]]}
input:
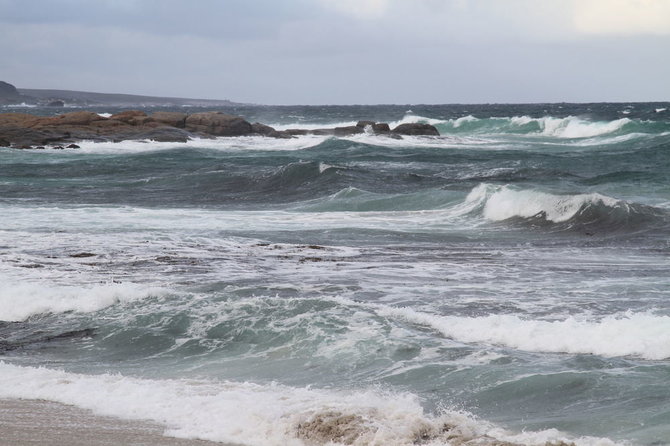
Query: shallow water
{"points": [[507, 280]]}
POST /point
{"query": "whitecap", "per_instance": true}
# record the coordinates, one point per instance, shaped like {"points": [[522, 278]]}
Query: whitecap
{"points": [[264, 415], [641, 335], [504, 203], [19, 301]]}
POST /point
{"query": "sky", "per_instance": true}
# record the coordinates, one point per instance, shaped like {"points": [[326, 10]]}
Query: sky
{"points": [[343, 51]]}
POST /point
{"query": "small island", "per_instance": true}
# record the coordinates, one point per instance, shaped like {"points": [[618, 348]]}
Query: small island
{"points": [[25, 131]]}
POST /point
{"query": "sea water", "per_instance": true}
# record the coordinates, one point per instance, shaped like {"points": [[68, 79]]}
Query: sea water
{"points": [[506, 281]]}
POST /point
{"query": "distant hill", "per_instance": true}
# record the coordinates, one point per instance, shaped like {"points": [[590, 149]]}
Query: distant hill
{"points": [[11, 95], [8, 91]]}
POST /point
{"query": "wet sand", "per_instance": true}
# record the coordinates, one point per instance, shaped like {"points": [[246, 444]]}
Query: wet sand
{"points": [[37, 422]]}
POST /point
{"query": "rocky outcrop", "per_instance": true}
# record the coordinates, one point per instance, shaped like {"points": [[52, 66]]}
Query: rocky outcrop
{"points": [[173, 119], [416, 129], [83, 118], [217, 124], [23, 130], [26, 131], [132, 117], [346, 131], [265, 130]]}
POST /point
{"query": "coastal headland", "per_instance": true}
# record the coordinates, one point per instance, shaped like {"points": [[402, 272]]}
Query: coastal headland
{"points": [[25, 131]]}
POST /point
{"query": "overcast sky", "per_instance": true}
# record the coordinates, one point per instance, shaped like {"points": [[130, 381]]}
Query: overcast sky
{"points": [[343, 51]]}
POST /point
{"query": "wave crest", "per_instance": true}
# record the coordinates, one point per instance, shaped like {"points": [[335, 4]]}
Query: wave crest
{"points": [[503, 203], [631, 334], [267, 415], [19, 301], [569, 127]]}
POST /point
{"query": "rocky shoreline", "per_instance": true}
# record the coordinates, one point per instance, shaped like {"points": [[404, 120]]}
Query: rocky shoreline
{"points": [[25, 131]]}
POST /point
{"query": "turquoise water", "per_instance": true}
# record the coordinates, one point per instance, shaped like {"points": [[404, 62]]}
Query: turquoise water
{"points": [[508, 279]]}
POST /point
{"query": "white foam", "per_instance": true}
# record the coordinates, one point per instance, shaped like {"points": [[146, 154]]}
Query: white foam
{"points": [[521, 120], [21, 105], [504, 203], [630, 334], [659, 110], [573, 127], [416, 119], [115, 220], [312, 125], [105, 115], [460, 121], [18, 301], [231, 143], [570, 127], [256, 415]]}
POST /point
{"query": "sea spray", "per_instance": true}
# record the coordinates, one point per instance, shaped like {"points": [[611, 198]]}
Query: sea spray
{"points": [[269, 415]]}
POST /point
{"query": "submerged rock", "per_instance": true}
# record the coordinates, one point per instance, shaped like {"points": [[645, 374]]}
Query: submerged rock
{"points": [[56, 103]]}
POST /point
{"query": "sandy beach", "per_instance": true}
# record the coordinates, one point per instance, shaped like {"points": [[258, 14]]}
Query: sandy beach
{"points": [[37, 422]]}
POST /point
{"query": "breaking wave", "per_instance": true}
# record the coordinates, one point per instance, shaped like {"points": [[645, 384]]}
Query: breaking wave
{"points": [[503, 203], [642, 335], [19, 301], [570, 127], [268, 415]]}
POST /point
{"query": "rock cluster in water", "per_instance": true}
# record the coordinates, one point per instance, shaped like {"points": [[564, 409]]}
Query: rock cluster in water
{"points": [[21, 130]]}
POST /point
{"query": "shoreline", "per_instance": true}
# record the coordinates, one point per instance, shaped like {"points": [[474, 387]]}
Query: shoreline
{"points": [[24, 131], [39, 422]]}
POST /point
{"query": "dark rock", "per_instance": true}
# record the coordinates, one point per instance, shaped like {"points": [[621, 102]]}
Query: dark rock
{"points": [[262, 129], [381, 127], [4, 143], [25, 136], [39, 148], [321, 132], [72, 146], [416, 129], [283, 135], [56, 103], [174, 119], [59, 147], [218, 124], [297, 132], [363, 124], [266, 130], [347, 131], [80, 255]]}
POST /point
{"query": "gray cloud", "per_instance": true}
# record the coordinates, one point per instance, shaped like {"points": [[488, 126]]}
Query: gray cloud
{"points": [[322, 51]]}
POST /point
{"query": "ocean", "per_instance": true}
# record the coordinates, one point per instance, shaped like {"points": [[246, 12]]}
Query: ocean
{"points": [[508, 281]]}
